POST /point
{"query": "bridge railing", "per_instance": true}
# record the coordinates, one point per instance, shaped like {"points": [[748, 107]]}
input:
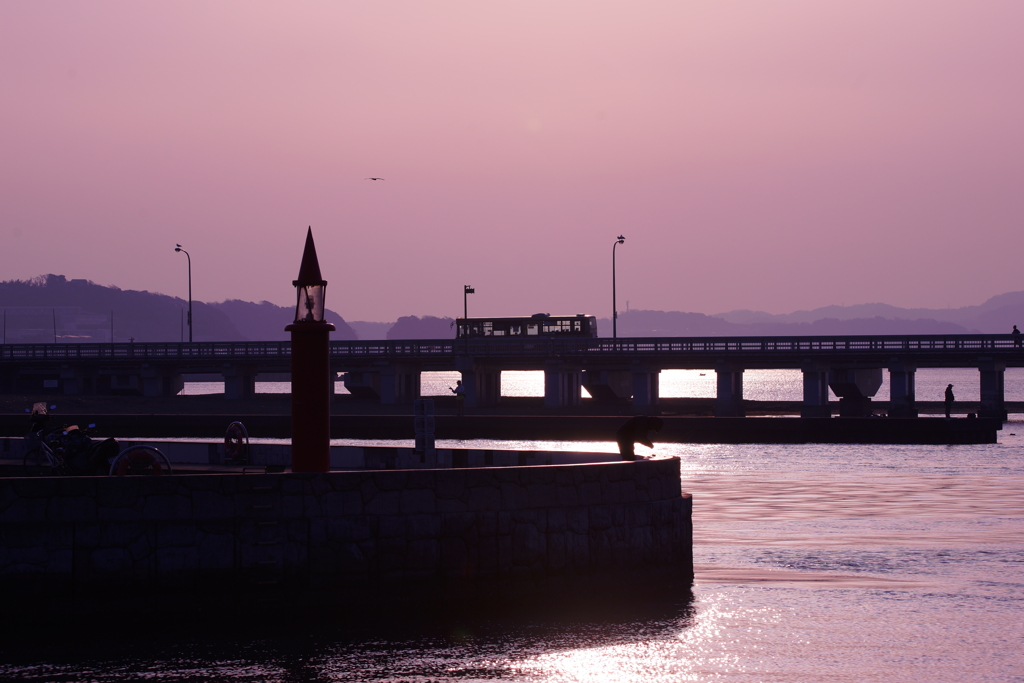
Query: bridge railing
{"points": [[153, 350], [739, 345], [524, 347]]}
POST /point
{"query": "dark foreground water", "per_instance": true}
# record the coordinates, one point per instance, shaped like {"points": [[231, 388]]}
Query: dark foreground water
{"points": [[814, 563]]}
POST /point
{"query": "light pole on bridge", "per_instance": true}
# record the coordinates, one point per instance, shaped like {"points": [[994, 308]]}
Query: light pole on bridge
{"points": [[615, 314], [178, 248], [466, 291]]}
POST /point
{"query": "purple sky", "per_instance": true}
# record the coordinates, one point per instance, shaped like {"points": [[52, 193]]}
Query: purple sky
{"points": [[765, 155]]}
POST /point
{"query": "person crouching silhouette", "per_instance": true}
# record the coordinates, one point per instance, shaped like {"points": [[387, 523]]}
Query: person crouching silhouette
{"points": [[636, 430]]}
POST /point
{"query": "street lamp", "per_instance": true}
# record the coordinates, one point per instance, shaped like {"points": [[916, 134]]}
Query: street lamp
{"points": [[615, 315], [466, 291], [178, 248]]}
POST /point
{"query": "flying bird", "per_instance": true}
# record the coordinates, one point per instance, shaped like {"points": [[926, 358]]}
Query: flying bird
{"points": [[374, 179]]}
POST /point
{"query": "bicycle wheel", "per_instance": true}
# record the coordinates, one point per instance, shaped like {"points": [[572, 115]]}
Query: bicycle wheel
{"points": [[144, 460], [38, 462]]}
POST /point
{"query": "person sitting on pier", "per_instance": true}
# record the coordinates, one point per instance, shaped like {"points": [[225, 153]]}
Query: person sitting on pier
{"points": [[636, 430], [1016, 336], [949, 399]]}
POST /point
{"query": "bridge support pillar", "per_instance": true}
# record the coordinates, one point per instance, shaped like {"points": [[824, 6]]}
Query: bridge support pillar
{"points": [[8, 380], [608, 386], [855, 387], [815, 393], [992, 404], [729, 401], [239, 382], [562, 385], [902, 394], [156, 382], [363, 384], [399, 384], [646, 388], [482, 382], [79, 381]]}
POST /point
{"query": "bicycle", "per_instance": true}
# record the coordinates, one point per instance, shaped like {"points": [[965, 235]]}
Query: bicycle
{"points": [[40, 457]]}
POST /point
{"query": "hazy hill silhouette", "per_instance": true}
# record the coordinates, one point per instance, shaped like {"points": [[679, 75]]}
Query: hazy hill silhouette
{"points": [[640, 323], [427, 327], [371, 330], [266, 321], [147, 316], [997, 315], [151, 317]]}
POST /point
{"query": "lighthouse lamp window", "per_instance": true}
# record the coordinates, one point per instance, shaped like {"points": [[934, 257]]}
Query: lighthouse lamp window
{"points": [[310, 306]]}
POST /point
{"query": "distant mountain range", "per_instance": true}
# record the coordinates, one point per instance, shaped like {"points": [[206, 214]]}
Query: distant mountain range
{"points": [[997, 315], [51, 307]]}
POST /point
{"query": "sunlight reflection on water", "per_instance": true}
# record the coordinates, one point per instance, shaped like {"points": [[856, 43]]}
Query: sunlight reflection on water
{"points": [[758, 385], [813, 562]]}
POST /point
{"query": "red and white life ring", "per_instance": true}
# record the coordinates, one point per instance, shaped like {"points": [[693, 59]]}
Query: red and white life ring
{"points": [[236, 444], [139, 458]]}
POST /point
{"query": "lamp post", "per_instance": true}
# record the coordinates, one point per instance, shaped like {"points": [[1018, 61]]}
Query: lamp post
{"points": [[615, 315], [466, 291], [178, 248], [311, 368]]}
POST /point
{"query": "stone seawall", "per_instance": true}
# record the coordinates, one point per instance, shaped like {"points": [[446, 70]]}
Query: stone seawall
{"points": [[339, 538], [582, 428], [181, 454]]}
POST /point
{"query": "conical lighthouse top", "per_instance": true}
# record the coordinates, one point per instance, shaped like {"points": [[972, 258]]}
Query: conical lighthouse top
{"points": [[309, 270], [310, 288]]}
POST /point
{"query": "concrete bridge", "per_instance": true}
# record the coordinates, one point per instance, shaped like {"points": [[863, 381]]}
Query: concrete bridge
{"points": [[610, 369]]}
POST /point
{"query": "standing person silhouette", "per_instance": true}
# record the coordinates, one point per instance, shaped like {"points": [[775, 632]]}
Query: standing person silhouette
{"points": [[1016, 336], [460, 398], [949, 399]]}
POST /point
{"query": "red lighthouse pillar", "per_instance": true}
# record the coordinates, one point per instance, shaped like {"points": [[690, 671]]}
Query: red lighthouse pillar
{"points": [[312, 384]]}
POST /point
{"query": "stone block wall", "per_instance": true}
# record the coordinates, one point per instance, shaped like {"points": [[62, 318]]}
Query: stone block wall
{"points": [[180, 452], [339, 536]]}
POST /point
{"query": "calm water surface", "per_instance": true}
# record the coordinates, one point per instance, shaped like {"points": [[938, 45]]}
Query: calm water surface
{"points": [[814, 563]]}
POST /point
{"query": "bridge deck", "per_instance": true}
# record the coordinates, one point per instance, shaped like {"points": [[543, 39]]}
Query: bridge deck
{"points": [[533, 353]]}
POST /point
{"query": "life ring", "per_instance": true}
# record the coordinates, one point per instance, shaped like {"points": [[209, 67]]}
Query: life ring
{"points": [[236, 444], [138, 458]]}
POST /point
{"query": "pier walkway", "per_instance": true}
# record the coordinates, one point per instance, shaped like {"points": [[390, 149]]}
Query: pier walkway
{"points": [[612, 370]]}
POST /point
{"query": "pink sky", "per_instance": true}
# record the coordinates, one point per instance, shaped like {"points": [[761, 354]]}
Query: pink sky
{"points": [[763, 155]]}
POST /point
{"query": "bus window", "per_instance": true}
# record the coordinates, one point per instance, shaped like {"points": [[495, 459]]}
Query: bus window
{"points": [[531, 329], [515, 330], [488, 329]]}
